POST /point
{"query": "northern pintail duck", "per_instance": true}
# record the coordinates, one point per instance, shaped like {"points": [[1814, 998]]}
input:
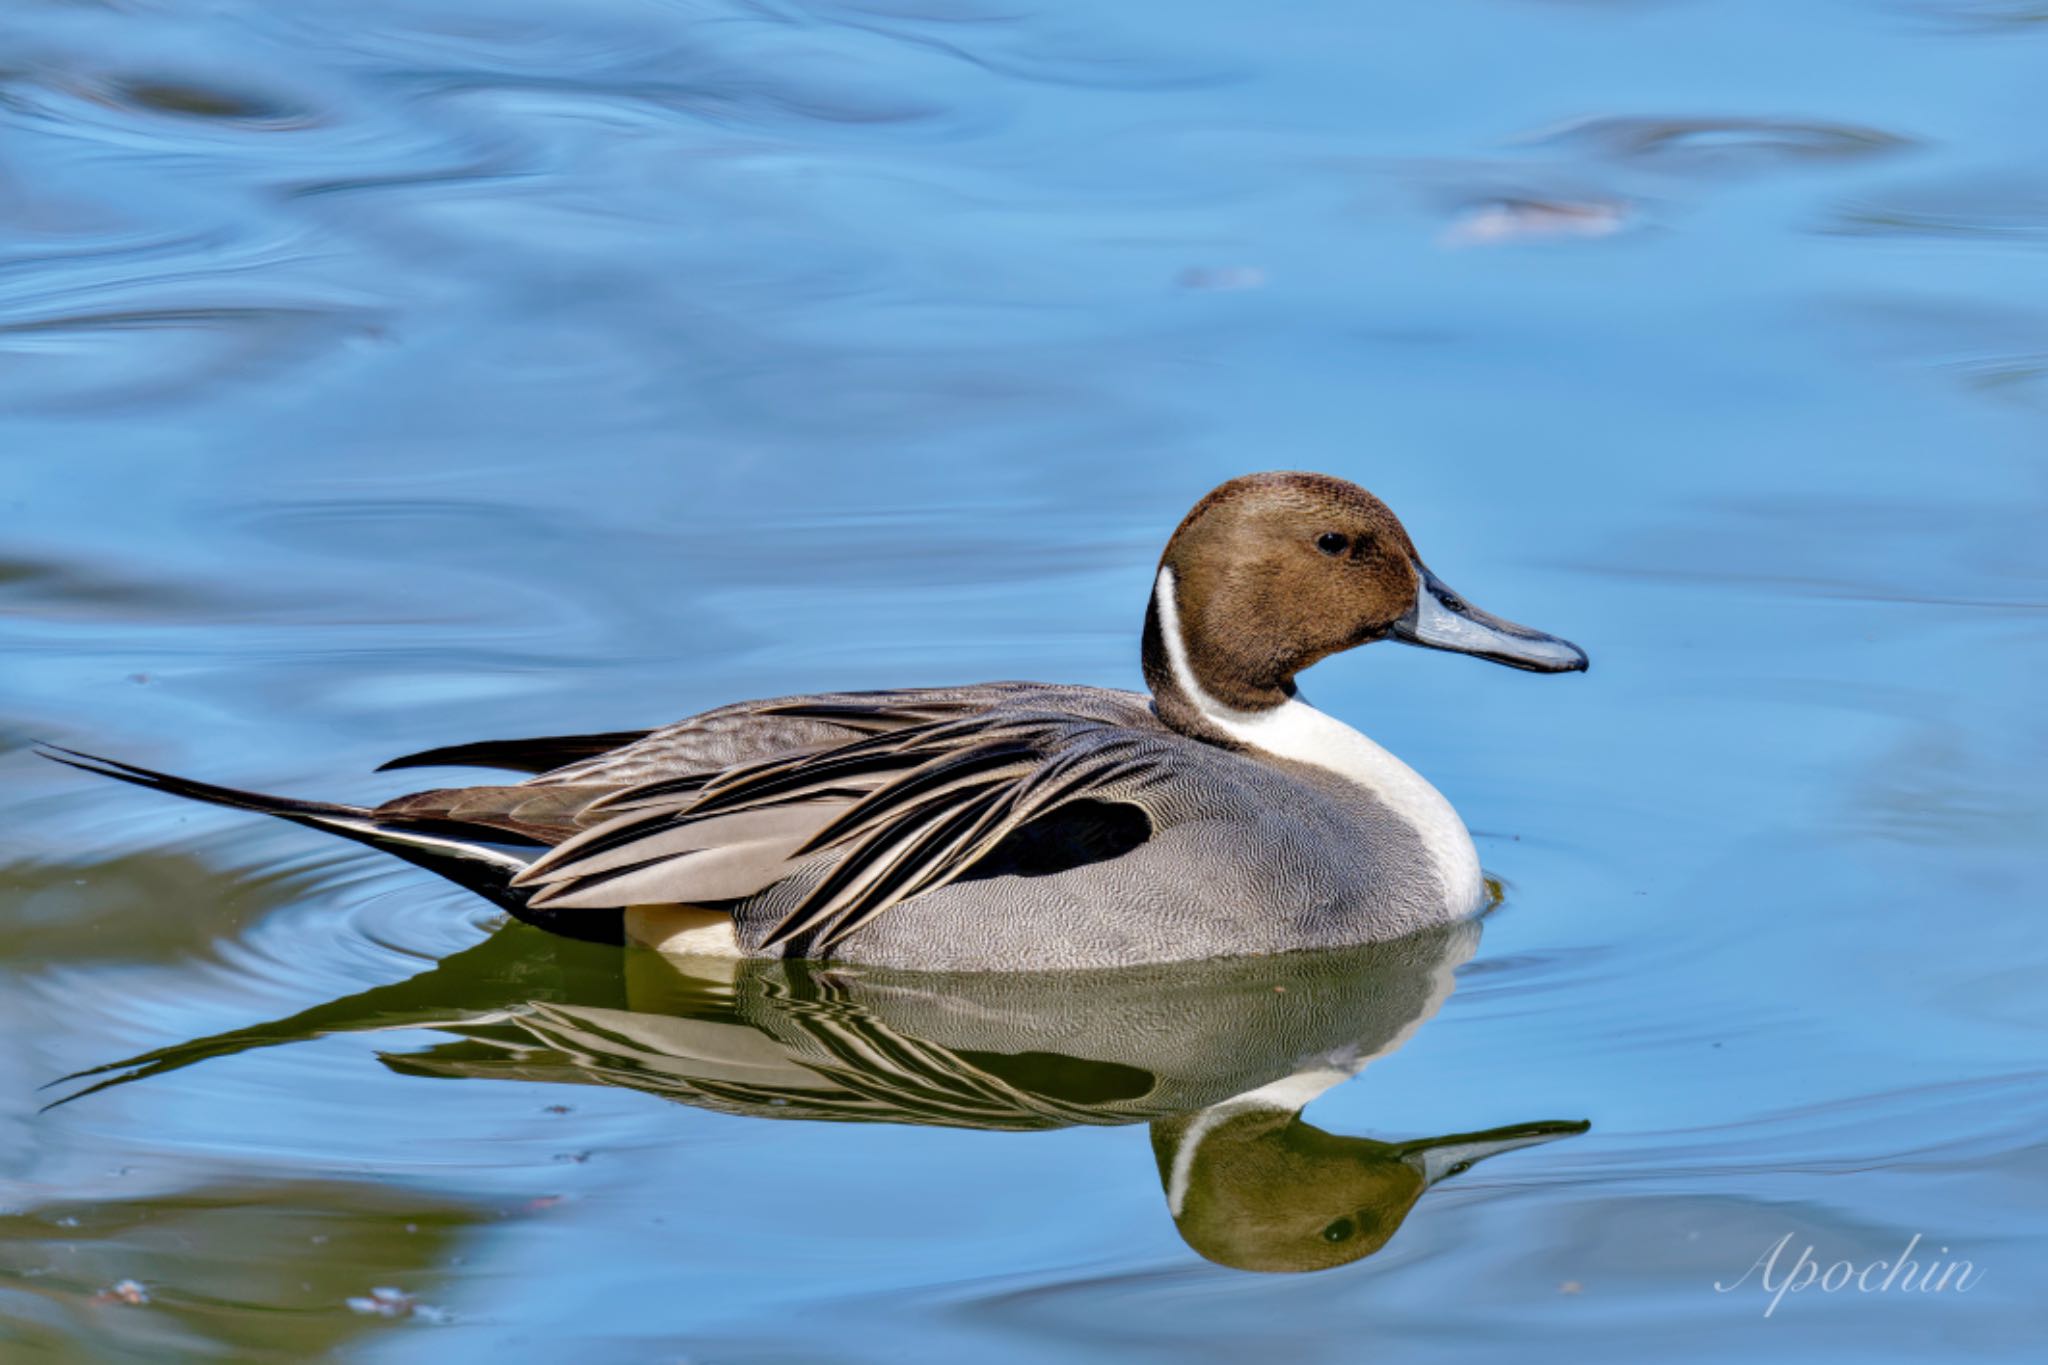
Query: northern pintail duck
{"points": [[1007, 825]]}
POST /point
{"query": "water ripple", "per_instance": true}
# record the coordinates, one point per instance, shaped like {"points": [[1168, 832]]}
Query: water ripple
{"points": [[1718, 144]]}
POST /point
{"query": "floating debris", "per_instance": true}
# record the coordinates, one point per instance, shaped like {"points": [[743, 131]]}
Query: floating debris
{"points": [[384, 1303], [387, 1302], [1514, 220], [130, 1292]]}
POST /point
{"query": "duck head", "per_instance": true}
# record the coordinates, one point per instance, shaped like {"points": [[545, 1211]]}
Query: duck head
{"points": [[1272, 572]]}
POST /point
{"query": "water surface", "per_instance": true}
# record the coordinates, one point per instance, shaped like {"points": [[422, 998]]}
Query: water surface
{"points": [[376, 376]]}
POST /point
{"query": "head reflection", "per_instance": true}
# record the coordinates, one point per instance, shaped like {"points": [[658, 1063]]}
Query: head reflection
{"points": [[1257, 1188]]}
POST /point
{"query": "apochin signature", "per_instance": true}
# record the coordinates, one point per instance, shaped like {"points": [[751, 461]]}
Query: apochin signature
{"points": [[1904, 1274]]}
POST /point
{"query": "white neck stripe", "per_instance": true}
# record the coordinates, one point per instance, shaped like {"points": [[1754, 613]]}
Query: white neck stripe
{"points": [[1166, 597], [1297, 731]]}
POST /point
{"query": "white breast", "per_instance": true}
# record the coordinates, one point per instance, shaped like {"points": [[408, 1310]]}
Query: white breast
{"points": [[1295, 730]]}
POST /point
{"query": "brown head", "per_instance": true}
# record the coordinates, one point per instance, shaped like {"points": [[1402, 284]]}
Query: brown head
{"points": [[1273, 572]]}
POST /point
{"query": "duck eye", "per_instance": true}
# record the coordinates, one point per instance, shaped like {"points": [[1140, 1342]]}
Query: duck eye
{"points": [[1340, 1230], [1333, 542]]}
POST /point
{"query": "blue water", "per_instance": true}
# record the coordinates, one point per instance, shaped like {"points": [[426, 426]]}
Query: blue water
{"points": [[376, 376]]}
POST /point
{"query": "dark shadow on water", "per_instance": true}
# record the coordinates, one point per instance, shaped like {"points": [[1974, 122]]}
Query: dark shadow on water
{"points": [[1219, 1058]]}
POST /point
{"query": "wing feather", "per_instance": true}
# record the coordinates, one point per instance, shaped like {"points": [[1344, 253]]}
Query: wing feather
{"points": [[518, 755], [667, 834], [890, 816], [728, 872]]}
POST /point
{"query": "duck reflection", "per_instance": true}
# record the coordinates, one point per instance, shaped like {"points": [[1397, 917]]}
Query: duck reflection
{"points": [[1218, 1057]]}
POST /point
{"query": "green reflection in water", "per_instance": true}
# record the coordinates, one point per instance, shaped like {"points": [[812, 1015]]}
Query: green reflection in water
{"points": [[244, 1271]]}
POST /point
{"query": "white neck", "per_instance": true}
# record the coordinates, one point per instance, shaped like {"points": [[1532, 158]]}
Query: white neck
{"points": [[1297, 731]]}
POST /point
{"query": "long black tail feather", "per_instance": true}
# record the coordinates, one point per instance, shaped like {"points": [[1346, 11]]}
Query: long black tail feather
{"points": [[474, 860]]}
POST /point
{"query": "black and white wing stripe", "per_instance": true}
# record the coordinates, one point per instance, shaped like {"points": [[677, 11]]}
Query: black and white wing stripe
{"points": [[902, 813]]}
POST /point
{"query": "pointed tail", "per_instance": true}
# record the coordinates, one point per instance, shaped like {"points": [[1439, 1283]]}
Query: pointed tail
{"points": [[471, 858]]}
